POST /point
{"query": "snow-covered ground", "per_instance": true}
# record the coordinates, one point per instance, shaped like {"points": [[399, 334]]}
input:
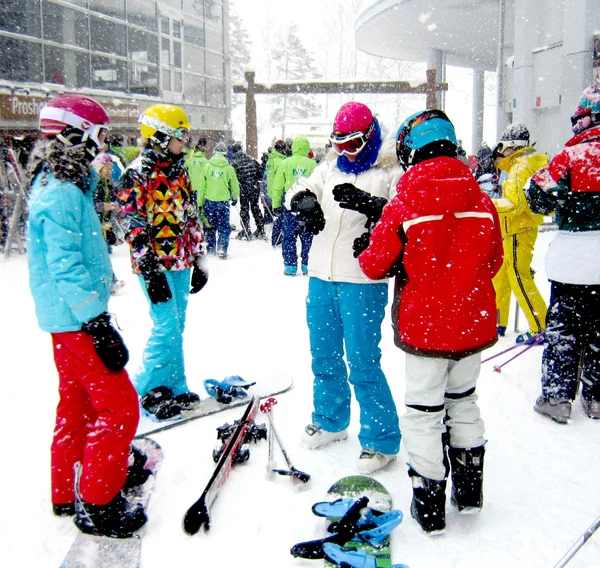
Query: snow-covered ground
{"points": [[541, 478]]}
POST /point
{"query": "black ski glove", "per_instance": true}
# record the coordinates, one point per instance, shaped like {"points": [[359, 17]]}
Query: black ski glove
{"points": [[306, 208], [277, 212], [350, 197], [361, 243], [156, 281], [199, 277], [107, 342]]}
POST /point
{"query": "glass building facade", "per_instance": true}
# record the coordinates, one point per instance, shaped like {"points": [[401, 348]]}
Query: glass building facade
{"points": [[146, 51]]}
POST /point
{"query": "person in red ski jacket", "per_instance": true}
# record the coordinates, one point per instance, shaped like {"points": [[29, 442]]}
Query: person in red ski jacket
{"points": [[570, 187], [441, 236]]}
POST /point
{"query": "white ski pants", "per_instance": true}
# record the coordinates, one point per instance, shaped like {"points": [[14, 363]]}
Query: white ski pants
{"points": [[440, 396]]}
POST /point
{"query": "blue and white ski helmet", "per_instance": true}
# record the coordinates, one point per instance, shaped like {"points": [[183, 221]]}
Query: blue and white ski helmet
{"points": [[421, 129]]}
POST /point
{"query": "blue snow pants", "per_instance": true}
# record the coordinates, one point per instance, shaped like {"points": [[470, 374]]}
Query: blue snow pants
{"points": [[217, 235], [291, 231], [345, 315], [162, 361]]}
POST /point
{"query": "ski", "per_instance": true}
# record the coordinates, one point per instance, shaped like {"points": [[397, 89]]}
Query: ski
{"points": [[198, 515], [263, 388], [88, 551]]}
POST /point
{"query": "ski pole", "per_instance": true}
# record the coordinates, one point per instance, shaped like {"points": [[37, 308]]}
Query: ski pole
{"points": [[578, 544], [296, 475], [540, 339]]}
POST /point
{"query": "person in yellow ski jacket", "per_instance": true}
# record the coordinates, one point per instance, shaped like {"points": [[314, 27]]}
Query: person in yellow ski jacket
{"points": [[519, 159]]}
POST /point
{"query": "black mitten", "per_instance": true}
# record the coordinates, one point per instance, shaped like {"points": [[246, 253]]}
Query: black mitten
{"points": [[107, 342], [350, 197], [306, 208], [155, 279], [277, 212], [360, 244], [199, 277]]}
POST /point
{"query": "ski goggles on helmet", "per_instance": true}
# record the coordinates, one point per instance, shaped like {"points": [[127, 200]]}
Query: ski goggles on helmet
{"points": [[583, 120], [504, 145], [353, 143]]}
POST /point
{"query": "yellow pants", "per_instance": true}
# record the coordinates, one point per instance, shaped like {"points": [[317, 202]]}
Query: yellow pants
{"points": [[515, 276]]}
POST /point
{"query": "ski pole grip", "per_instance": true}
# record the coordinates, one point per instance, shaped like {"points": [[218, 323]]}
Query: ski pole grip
{"points": [[267, 406]]}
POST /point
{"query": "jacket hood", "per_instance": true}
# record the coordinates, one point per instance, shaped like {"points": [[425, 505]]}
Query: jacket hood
{"points": [[65, 163], [219, 160], [300, 146], [438, 186], [585, 136], [506, 163]]}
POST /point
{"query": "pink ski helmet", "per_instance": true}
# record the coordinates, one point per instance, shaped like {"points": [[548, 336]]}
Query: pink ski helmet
{"points": [[76, 120], [353, 126]]}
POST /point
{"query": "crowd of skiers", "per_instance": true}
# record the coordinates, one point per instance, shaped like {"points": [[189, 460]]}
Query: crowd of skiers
{"points": [[457, 243]]}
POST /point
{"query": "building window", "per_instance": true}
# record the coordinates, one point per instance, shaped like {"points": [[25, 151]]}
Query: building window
{"points": [[21, 17], [143, 46], [176, 29], [215, 95], [214, 11], [142, 13], [166, 79], [214, 39], [65, 26], [193, 59], [195, 7], [193, 35], [66, 67], [177, 81], [165, 51], [114, 8], [214, 65], [109, 73], [21, 60], [143, 79], [107, 36], [195, 89]]}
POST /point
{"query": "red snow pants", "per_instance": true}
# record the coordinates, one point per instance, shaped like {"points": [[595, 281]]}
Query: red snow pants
{"points": [[96, 418]]}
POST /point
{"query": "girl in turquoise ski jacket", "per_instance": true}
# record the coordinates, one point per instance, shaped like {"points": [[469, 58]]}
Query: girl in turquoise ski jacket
{"points": [[70, 275]]}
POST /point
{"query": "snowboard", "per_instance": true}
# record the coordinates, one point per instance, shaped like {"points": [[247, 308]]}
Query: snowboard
{"points": [[89, 551], [198, 515], [265, 387], [354, 487]]}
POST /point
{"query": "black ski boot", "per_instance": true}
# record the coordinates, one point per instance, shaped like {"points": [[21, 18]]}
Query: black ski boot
{"points": [[116, 519], [137, 474], [159, 402], [428, 505], [64, 509], [187, 400], [467, 478]]}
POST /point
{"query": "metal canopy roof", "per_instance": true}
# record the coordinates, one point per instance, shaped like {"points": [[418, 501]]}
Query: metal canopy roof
{"points": [[466, 30]]}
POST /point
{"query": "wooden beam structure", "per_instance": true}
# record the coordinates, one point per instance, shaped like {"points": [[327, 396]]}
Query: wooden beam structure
{"points": [[430, 88]]}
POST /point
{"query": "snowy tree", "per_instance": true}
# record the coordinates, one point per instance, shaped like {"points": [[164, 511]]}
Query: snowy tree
{"points": [[240, 47], [293, 62]]}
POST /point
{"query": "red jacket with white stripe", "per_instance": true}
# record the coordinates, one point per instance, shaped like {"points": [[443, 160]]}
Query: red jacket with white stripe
{"points": [[444, 234]]}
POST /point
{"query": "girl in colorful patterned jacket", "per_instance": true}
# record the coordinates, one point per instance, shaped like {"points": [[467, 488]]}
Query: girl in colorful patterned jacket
{"points": [[570, 187], [441, 235], [159, 216]]}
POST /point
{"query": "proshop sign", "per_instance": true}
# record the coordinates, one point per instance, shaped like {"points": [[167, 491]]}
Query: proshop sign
{"points": [[21, 108]]}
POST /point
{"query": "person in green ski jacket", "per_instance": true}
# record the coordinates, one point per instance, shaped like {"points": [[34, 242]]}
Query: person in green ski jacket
{"points": [[276, 156], [289, 170], [218, 185], [195, 163]]}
